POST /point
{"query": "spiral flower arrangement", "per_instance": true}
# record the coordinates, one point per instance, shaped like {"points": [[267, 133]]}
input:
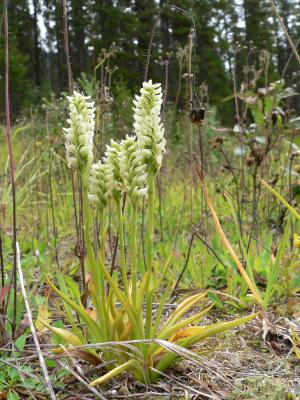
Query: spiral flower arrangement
{"points": [[79, 135], [132, 170], [148, 126], [100, 188]]}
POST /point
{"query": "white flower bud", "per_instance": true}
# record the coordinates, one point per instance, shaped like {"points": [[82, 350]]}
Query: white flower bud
{"points": [[148, 126], [79, 135], [112, 159], [132, 170], [100, 186]]}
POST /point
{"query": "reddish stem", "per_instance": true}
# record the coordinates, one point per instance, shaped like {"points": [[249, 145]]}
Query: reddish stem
{"points": [[11, 161]]}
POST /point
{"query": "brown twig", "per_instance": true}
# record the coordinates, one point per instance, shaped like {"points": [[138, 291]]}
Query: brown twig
{"points": [[287, 35], [1, 260], [78, 223], [289, 60], [236, 188], [156, 21], [81, 380], [32, 328], [66, 46], [210, 249], [11, 161], [237, 111], [52, 207], [185, 264]]}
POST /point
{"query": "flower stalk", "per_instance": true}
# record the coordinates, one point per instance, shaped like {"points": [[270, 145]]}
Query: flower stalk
{"points": [[96, 273], [134, 254], [122, 245]]}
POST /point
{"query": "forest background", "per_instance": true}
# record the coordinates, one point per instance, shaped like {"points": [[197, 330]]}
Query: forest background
{"points": [[224, 31]]}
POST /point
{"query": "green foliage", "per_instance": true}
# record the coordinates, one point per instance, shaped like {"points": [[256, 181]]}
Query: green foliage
{"points": [[18, 79], [11, 380]]}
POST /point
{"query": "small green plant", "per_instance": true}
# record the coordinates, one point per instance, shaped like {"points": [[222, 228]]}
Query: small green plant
{"points": [[124, 303], [14, 381]]}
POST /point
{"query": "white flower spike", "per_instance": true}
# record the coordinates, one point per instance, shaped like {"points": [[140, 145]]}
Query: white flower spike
{"points": [[148, 126], [112, 159], [132, 170], [100, 188], [79, 135]]}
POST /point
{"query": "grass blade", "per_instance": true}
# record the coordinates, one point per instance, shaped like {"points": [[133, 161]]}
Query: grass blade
{"points": [[227, 244]]}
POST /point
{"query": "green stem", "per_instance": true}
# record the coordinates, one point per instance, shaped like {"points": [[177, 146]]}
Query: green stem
{"points": [[122, 246], [134, 255], [150, 222], [86, 221], [103, 230], [149, 253], [102, 236], [96, 273]]}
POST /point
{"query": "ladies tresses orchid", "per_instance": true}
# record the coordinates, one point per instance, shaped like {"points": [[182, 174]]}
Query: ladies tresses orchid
{"points": [[79, 135], [100, 190], [148, 126], [132, 170]]}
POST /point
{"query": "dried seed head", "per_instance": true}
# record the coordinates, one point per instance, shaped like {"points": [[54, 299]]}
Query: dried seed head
{"points": [[197, 115], [79, 135]]}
